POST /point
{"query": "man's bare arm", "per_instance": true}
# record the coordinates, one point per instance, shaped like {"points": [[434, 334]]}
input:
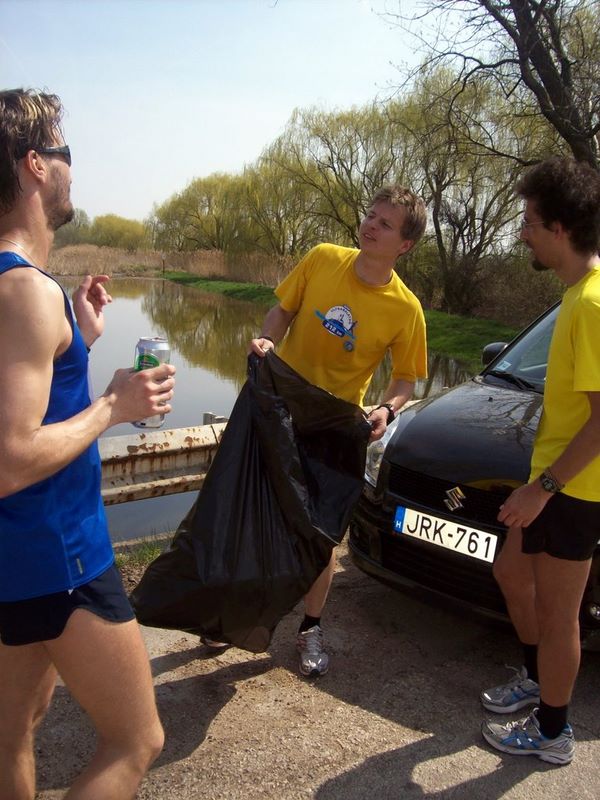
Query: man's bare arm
{"points": [[397, 394], [275, 326], [526, 502], [33, 332]]}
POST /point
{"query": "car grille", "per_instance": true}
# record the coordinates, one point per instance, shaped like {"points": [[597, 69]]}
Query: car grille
{"points": [[461, 577], [480, 506]]}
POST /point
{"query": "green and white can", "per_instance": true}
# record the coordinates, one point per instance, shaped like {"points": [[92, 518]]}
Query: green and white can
{"points": [[151, 351]]}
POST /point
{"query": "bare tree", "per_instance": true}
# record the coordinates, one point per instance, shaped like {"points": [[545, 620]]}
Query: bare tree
{"points": [[544, 55], [470, 192]]}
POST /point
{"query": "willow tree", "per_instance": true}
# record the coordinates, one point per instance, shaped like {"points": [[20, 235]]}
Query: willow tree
{"points": [[110, 230], [201, 217], [344, 157], [283, 210]]}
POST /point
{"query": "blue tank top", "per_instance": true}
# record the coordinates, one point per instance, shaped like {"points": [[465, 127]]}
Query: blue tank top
{"points": [[53, 534]]}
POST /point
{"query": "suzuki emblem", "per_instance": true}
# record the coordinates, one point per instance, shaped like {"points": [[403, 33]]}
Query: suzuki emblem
{"points": [[454, 496]]}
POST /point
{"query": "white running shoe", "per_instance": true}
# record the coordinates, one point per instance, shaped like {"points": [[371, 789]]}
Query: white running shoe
{"points": [[314, 661], [524, 738], [213, 645], [519, 692]]}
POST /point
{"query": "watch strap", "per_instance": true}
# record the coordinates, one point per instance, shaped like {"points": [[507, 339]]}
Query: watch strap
{"points": [[390, 410], [549, 482]]}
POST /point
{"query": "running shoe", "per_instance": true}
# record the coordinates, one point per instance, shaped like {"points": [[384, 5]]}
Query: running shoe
{"points": [[314, 661], [524, 738], [213, 645], [519, 692]]}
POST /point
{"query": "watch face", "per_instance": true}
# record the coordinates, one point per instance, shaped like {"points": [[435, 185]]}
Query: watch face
{"points": [[548, 483]]}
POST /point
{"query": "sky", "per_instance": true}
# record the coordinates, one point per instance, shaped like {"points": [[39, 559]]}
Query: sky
{"points": [[159, 92]]}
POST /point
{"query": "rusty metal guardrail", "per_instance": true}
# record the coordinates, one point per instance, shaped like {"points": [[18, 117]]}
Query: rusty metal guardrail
{"points": [[158, 462]]}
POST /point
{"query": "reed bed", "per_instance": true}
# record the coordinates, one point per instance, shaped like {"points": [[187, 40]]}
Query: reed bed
{"points": [[82, 259]]}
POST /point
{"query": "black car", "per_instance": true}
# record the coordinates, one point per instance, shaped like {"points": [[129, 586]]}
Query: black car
{"points": [[427, 518]]}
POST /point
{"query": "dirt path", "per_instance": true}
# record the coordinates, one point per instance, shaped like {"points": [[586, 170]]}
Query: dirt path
{"points": [[397, 716]]}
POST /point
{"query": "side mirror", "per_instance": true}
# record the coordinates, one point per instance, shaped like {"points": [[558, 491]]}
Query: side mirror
{"points": [[490, 351]]}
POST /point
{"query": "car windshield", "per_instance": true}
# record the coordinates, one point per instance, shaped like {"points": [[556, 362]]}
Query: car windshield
{"points": [[523, 363]]}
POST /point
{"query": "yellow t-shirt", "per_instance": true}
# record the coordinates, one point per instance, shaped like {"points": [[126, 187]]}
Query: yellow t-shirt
{"points": [[573, 370], [343, 326]]}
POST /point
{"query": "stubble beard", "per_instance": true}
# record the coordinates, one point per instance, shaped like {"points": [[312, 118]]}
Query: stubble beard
{"points": [[59, 208], [61, 216]]}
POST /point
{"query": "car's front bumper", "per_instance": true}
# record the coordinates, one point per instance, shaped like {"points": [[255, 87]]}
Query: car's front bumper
{"points": [[445, 578]]}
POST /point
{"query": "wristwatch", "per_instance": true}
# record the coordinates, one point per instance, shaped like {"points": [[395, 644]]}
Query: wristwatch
{"points": [[549, 482], [390, 410]]}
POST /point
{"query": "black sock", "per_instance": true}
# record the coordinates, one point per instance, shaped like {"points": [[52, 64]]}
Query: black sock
{"points": [[530, 661], [551, 719], [308, 622]]}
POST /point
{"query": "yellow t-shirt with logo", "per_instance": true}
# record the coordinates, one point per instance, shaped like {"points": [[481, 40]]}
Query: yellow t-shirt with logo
{"points": [[573, 370], [343, 326]]}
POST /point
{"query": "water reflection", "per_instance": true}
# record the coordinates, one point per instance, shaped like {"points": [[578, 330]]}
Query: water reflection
{"points": [[208, 330], [212, 331], [443, 372], [209, 335]]}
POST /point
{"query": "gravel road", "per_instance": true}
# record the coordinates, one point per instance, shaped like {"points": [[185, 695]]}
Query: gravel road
{"points": [[397, 716]]}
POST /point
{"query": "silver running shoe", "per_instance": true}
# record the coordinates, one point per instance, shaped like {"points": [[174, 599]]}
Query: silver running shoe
{"points": [[214, 645], [314, 661], [519, 692], [524, 738]]}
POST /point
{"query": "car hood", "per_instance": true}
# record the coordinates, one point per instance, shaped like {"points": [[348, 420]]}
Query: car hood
{"points": [[476, 433]]}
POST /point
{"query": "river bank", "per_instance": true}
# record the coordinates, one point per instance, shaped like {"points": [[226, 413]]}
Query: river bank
{"points": [[460, 338], [453, 336]]}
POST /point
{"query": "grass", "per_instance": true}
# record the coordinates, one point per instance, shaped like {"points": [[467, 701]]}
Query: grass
{"points": [[139, 554], [251, 292], [461, 338]]}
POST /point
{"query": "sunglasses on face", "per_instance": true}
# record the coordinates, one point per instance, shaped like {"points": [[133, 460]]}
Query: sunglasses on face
{"points": [[61, 150]]}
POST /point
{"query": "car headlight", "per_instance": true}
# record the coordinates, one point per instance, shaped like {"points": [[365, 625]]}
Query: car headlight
{"points": [[375, 453]]}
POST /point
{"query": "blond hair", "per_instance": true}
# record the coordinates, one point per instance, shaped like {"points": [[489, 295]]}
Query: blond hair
{"points": [[415, 219]]}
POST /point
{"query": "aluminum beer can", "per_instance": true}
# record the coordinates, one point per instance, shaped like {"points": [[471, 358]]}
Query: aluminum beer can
{"points": [[151, 351]]}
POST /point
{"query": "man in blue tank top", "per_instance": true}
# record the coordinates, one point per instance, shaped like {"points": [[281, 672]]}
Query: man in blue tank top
{"points": [[63, 608]]}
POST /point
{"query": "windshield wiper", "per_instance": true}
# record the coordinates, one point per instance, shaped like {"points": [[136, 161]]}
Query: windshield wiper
{"points": [[510, 378]]}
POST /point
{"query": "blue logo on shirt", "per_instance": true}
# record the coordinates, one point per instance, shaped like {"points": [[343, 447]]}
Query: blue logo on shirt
{"points": [[338, 321]]}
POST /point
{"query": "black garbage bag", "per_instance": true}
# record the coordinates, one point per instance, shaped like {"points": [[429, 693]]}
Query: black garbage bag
{"points": [[276, 499]]}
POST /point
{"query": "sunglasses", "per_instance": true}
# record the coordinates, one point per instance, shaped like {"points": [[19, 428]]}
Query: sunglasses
{"points": [[63, 150]]}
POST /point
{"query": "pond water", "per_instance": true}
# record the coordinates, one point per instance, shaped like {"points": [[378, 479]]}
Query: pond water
{"points": [[209, 335]]}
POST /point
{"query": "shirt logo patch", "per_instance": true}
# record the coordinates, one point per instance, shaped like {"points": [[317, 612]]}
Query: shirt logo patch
{"points": [[338, 321]]}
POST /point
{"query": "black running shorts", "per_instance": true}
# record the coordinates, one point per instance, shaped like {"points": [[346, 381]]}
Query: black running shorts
{"points": [[567, 528], [42, 618]]}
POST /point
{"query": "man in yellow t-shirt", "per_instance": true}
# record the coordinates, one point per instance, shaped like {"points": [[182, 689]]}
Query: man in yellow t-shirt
{"points": [[554, 520], [342, 310]]}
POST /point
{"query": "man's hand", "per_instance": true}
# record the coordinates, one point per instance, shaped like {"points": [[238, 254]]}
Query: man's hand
{"points": [[260, 346], [136, 395], [378, 419], [523, 505], [88, 303]]}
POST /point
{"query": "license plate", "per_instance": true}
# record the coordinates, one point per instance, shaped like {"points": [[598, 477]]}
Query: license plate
{"points": [[445, 533]]}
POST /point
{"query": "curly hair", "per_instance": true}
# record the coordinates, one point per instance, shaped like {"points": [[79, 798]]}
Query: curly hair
{"points": [[415, 220], [566, 191], [28, 120]]}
